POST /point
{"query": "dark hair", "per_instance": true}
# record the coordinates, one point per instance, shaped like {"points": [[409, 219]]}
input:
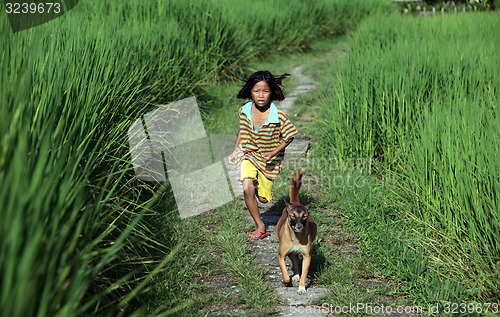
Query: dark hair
{"points": [[274, 82]]}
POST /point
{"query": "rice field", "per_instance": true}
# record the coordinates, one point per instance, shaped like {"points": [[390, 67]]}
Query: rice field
{"points": [[418, 97]]}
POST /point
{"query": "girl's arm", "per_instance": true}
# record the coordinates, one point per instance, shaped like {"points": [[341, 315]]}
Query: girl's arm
{"points": [[232, 156], [238, 140], [278, 149]]}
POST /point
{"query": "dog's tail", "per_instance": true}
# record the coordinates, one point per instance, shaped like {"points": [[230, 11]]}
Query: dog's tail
{"points": [[295, 184]]}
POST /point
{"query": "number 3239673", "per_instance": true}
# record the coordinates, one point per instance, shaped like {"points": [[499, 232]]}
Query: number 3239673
{"points": [[462, 308], [32, 8]]}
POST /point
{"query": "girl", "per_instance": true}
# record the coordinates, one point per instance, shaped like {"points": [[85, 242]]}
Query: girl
{"points": [[264, 133]]}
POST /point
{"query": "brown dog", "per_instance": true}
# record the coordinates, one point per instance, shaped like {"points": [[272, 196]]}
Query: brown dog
{"points": [[296, 231]]}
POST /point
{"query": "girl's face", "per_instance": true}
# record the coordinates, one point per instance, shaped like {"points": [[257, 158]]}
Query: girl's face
{"points": [[261, 94]]}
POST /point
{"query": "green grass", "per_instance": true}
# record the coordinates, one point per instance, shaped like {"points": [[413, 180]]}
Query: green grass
{"points": [[416, 102], [214, 255], [232, 237]]}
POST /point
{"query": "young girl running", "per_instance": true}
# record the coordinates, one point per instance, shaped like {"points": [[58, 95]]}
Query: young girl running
{"points": [[264, 133]]}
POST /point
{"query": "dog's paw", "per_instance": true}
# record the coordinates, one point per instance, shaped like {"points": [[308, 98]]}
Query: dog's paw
{"points": [[301, 290], [295, 280], [288, 283]]}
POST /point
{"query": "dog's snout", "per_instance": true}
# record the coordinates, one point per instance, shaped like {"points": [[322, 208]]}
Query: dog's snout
{"points": [[298, 226]]}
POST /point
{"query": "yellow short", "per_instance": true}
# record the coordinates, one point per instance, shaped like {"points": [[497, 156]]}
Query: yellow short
{"points": [[264, 185]]}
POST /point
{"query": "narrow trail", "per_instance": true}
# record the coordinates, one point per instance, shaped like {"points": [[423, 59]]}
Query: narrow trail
{"points": [[333, 236], [265, 250]]}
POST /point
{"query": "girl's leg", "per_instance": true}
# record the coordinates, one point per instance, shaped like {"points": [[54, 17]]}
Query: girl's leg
{"points": [[251, 202]]}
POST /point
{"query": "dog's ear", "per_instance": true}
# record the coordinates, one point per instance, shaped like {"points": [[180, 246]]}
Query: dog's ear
{"points": [[287, 204]]}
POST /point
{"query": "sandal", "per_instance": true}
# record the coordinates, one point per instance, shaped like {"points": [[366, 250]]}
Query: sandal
{"points": [[259, 234]]}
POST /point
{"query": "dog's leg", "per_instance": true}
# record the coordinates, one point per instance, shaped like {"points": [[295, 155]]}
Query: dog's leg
{"points": [[281, 261], [306, 262], [295, 268], [295, 263]]}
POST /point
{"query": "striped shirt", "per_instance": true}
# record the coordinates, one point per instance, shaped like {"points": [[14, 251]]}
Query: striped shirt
{"points": [[255, 144]]}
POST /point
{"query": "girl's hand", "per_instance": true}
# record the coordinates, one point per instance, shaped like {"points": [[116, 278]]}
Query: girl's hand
{"points": [[268, 157], [232, 157]]}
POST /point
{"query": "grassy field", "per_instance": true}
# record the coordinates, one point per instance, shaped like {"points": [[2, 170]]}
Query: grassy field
{"points": [[416, 102]]}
